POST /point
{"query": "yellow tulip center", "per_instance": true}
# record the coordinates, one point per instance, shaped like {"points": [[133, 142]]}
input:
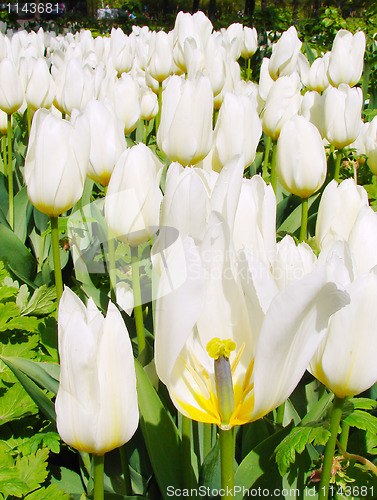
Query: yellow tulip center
{"points": [[217, 348]]}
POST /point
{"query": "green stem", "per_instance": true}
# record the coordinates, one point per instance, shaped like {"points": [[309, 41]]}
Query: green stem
{"points": [[304, 219], [138, 312], [266, 156], [5, 156], [227, 451], [98, 475], [56, 256], [10, 170], [214, 117], [158, 117], [112, 273], [274, 178], [186, 451], [358, 458], [146, 127], [248, 69], [335, 418], [280, 414], [126, 470], [343, 440], [339, 156], [29, 115]]}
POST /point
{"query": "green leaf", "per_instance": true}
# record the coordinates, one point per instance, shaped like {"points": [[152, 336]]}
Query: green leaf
{"points": [[160, 433], [309, 53], [15, 404], [32, 469], [362, 420], [296, 441], [359, 404], [36, 371], [37, 395], [52, 491], [13, 251], [22, 213], [210, 473], [41, 302], [10, 319], [50, 440], [259, 465]]}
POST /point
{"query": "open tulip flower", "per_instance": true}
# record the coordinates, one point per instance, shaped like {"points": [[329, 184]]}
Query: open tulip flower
{"points": [[217, 365], [96, 404]]}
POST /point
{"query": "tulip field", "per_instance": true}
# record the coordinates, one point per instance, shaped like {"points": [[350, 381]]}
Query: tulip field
{"points": [[188, 262]]}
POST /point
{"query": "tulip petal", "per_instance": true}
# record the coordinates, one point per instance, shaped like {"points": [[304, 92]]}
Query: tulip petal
{"points": [[293, 328], [177, 312]]}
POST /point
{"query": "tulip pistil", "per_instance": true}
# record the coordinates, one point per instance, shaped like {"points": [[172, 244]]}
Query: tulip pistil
{"points": [[220, 350]]}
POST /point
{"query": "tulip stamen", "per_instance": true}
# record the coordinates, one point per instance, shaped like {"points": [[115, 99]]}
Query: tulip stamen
{"points": [[237, 358], [220, 350]]}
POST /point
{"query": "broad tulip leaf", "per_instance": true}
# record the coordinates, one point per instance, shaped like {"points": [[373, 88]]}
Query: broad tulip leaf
{"points": [[13, 251], [293, 222], [309, 53], [36, 394], [22, 213], [36, 371], [259, 465], [160, 433], [210, 473]]}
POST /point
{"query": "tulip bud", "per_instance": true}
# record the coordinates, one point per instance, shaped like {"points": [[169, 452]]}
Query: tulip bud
{"points": [[3, 122], [347, 58], [363, 240], [265, 81], [56, 163], [300, 159], [312, 109], [40, 88], [196, 26], [255, 220], [133, 197], [284, 55], [292, 261], [185, 131], [149, 104], [74, 86], [283, 102], [126, 102], [238, 130], [249, 42], [96, 405], [342, 114], [122, 49], [11, 92], [160, 55], [339, 207], [107, 141], [317, 77], [346, 359]]}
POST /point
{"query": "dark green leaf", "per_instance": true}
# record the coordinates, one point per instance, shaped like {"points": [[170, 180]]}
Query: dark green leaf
{"points": [[37, 395], [160, 433], [36, 371], [13, 251], [259, 465]]}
